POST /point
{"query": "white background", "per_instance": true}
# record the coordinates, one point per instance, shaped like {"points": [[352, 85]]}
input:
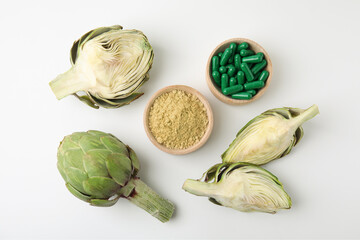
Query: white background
{"points": [[314, 48]]}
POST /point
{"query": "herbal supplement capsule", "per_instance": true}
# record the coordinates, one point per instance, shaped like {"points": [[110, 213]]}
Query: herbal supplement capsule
{"points": [[241, 46], [263, 76], [224, 81], [232, 70], [240, 76], [242, 95], [232, 81], [233, 89], [257, 68], [233, 49], [252, 91], [254, 85], [225, 57], [215, 63], [253, 58], [246, 52], [222, 69], [248, 74], [220, 54], [216, 77], [237, 61]]}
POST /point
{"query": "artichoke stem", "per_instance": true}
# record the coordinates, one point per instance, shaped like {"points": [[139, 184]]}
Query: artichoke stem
{"points": [[68, 83], [146, 198], [200, 188], [306, 115]]}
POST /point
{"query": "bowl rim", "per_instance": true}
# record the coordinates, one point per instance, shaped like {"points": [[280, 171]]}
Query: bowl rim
{"points": [[209, 113], [214, 90]]}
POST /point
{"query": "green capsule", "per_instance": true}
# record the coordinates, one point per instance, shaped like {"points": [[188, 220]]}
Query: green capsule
{"points": [[263, 76], [242, 95], [233, 89], [232, 81], [246, 52], [233, 49], [222, 69], [252, 91], [237, 61], [240, 76], [224, 81], [259, 66], [232, 70], [220, 54], [225, 57], [248, 74], [242, 46], [215, 63], [254, 85], [253, 58], [216, 77]]}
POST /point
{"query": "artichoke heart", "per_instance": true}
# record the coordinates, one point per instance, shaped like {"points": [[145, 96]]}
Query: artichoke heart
{"points": [[99, 169], [241, 186], [269, 136], [109, 64]]}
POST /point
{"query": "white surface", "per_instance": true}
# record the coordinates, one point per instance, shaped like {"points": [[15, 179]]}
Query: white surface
{"points": [[314, 47]]}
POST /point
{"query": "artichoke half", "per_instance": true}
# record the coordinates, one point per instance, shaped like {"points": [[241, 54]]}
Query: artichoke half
{"points": [[269, 136], [241, 186], [99, 169], [109, 64]]}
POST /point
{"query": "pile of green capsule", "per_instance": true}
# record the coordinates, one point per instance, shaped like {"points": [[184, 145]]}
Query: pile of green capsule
{"points": [[238, 71]]}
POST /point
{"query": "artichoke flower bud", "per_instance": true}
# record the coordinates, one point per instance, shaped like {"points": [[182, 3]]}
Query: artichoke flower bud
{"points": [[99, 169], [242, 186], [269, 136], [109, 64]]}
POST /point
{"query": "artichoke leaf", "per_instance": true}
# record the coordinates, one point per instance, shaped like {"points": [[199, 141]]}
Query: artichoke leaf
{"points": [[103, 202], [100, 187], [113, 144], [119, 167], [87, 100], [90, 142], [78, 194], [134, 159]]}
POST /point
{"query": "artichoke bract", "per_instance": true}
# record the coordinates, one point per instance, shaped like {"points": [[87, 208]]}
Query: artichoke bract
{"points": [[109, 64], [242, 186], [99, 169], [269, 136]]}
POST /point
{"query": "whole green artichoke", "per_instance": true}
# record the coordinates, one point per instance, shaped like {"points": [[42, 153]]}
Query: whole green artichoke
{"points": [[99, 169]]}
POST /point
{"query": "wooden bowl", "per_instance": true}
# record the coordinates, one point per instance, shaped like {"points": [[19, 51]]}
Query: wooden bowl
{"points": [[216, 89], [208, 111]]}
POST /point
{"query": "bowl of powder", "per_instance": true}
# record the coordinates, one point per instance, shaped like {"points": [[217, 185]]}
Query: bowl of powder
{"points": [[178, 119]]}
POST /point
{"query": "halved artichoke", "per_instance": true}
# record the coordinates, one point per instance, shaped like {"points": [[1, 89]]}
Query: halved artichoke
{"points": [[269, 136], [109, 64], [241, 186]]}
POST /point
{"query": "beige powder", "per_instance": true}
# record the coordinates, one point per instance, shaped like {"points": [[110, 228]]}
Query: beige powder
{"points": [[178, 119]]}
